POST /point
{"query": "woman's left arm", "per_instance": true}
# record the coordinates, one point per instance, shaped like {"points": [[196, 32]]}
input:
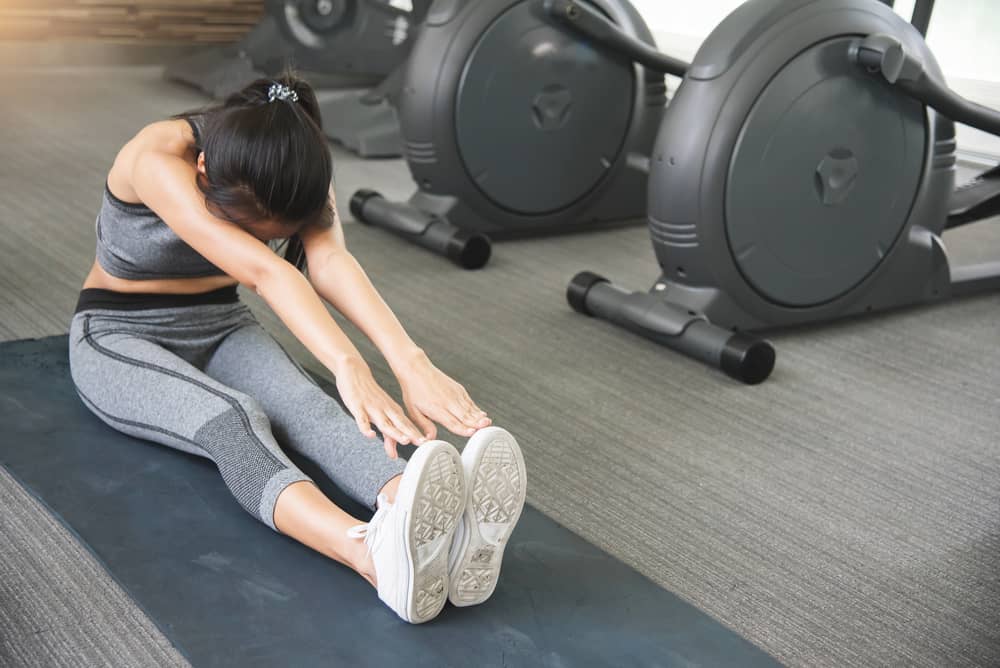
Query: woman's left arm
{"points": [[429, 394]]}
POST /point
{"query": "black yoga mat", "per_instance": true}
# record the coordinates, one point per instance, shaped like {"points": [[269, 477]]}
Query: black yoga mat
{"points": [[227, 591]]}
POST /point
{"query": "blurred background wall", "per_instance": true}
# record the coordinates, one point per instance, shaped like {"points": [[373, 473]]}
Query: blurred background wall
{"points": [[138, 21]]}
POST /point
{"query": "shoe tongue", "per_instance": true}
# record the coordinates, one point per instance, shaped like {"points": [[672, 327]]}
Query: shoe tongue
{"points": [[377, 522], [380, 515]]}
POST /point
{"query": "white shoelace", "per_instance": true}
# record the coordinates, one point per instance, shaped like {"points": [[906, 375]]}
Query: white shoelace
{"points": [[370, 531]]}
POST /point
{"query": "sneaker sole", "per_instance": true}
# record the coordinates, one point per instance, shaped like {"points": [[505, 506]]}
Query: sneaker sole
{"points": [[497, 482], [436, 498]]}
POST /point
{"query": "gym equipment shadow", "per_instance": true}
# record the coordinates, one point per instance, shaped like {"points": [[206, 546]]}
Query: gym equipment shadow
{"points": [[228, 591]]}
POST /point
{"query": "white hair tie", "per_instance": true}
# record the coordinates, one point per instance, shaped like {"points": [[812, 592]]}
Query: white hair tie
{"points": [[281, 92]]}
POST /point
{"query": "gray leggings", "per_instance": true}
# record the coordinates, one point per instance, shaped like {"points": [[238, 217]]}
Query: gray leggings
{"points": [[209, 380]]}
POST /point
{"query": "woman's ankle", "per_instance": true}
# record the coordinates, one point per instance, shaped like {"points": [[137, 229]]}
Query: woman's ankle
{"points": [[361, 561], [390, 488]]}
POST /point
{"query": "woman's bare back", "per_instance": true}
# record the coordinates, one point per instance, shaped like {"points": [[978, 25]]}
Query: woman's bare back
{"points": [[174, 137]]}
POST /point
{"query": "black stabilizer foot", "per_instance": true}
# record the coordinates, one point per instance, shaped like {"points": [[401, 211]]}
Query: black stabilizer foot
{"points": [[650, 314], [469, 250], [576, 292], [358, 201], [747, 358]]}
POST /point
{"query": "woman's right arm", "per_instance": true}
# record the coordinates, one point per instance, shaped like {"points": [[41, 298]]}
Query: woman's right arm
{"points": [[166, 184]]}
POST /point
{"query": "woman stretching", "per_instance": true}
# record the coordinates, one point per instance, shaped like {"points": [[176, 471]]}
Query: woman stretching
{"points": [[161, 348]]}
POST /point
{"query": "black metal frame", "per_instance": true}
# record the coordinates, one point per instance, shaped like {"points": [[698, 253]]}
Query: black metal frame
{"points": [[922, 15]]}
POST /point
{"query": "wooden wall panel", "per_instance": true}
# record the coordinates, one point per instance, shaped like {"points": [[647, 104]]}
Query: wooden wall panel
{"points": [[136, 22]]}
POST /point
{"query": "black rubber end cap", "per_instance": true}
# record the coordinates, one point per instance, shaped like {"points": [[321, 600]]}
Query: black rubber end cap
{"points": [[470, 250], [747, 358], [576, 293], [358, 201]]}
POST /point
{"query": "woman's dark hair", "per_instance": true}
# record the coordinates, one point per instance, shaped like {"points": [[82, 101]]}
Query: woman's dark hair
{"points": [[266, 157]]}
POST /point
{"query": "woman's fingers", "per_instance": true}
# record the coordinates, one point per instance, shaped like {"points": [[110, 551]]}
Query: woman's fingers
{"points": [[372, 407], [390, 448], [455, 415], [474, 417], [453, 423], [387, 428], [471, 414], [363, 422], [470, 417], [393, 423], [425, 424], [390, 435], [406, 426]]}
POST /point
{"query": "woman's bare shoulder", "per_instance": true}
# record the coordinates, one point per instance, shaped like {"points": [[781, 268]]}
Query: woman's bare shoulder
{"points": [[170, 137]]}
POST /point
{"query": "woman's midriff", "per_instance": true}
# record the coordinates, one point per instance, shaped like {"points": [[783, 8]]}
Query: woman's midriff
{"points": [[98, 278]]}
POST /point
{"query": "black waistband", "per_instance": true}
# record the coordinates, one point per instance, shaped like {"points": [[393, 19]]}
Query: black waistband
{"points": [[96, 298]]}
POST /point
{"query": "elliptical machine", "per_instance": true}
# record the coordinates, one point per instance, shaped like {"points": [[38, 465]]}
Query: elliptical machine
{"points": [[364, 118], [804, 172], [497, 98], [337, 42]]}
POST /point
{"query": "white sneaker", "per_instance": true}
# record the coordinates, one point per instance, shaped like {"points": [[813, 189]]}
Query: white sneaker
{"points": [[409, 539], [496, 481]]}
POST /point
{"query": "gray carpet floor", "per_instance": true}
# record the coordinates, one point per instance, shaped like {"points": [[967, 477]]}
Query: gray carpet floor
{"points": [[58, 606], [845, 513]]}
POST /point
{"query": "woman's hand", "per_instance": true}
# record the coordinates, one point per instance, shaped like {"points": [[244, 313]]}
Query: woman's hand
{"points": [[431, 396], [369, 404]]}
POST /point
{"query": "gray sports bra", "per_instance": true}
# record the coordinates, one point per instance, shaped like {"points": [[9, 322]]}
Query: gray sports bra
{"points": [[135, 244]]}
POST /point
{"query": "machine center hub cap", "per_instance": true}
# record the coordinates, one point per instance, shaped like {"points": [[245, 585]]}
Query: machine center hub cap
{"points": [[551, 107], [836, 175]]}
